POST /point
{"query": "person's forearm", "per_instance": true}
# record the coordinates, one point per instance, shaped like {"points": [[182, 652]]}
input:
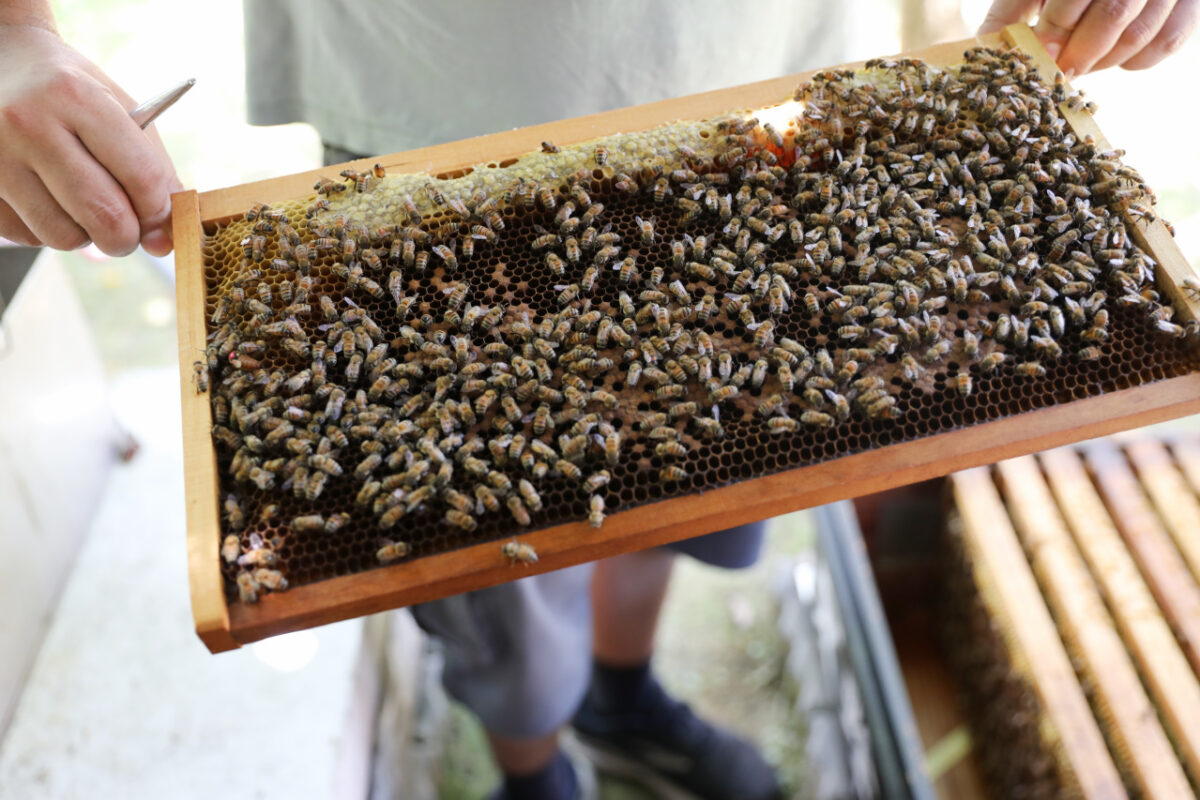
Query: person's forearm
{"points": [[27, 12]]}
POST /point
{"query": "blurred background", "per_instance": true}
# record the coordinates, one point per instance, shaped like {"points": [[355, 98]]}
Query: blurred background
{"points": [[106, 692]]}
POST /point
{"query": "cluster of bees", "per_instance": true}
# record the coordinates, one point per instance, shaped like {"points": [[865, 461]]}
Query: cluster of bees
{"points": [[376, 358], [1002, 704]]}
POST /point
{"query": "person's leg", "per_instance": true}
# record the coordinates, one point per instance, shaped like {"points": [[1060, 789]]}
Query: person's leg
{"points": [[517, 655], [627, 596], [521, 757], [627, 722]]}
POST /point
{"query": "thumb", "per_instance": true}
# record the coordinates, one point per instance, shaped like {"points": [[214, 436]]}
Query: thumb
{"points": [[1006, 12], [157, 240]]}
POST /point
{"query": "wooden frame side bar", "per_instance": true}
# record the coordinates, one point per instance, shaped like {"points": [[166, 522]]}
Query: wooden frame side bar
{"points": [[1000, 564], [1140, 744], [199, 457]]}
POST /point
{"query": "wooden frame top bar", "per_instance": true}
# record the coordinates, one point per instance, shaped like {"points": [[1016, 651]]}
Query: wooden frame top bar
{"points": [[224, 627]]}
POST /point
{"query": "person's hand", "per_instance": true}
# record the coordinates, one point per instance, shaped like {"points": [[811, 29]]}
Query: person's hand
{"points": [[1087, 35], [74, 168]]}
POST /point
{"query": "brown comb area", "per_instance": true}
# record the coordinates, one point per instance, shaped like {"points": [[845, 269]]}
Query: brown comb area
{"points": [[904, 214], [1002, 705]]}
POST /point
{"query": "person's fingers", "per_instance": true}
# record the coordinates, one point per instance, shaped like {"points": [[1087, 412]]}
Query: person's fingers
{"points": [[1097, 32], [1138, 33], [129, 155], [1170, 37], [40, 212], [158, 242], [13, 229], [1056, 21], [87, 191], [1006, 12]]}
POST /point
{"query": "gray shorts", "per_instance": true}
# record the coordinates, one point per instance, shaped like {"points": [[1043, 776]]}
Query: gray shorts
{"points": [[519, 655]]}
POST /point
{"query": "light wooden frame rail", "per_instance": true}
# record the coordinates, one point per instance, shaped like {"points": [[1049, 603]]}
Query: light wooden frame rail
{"points": [[224, 627]]}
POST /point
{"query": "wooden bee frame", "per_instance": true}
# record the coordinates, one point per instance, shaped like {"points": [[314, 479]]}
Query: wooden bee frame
{"points": [[222, 626]]}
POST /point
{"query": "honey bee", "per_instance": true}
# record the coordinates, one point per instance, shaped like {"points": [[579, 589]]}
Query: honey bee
{"points": [[546, 196], [309, 523], [596, 511], [247, 588], [961, 382], [1030, 369], [516, 507], [645, 229], [519, 553], [446, 254], [391, 551], [596, 480], [326, 187], [529, 494], [233, 513], [779, 425], [231, 548], [672, 474], [818, 418], [460, 520]]}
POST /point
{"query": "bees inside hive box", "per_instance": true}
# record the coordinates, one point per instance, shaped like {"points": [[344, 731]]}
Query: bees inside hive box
{"points": [[401, 365], [1060, 629]]}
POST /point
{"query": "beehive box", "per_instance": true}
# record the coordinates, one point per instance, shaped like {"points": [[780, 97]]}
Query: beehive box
{"points": [[867, 410], [1071, 614]]}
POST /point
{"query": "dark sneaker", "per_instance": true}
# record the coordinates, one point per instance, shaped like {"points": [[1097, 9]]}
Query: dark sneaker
{"points": [[583, 787], [672, 752]]}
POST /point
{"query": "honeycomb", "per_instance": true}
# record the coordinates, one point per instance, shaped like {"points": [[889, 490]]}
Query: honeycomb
{"points": [[1002, 705], [904, 251]]}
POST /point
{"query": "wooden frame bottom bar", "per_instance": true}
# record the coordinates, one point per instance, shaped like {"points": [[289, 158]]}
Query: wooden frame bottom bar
{"points": [[693, 515]]}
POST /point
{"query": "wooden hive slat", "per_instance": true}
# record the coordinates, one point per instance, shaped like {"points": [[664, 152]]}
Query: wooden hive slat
{"points": [[1165, 669], [1007, 585], [1187, 454], [1167, 575], [648, 525], [1138, 741], [1174, 500]]}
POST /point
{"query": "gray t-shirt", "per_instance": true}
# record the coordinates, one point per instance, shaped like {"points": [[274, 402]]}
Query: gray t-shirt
{"points": [[381, 76]]}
